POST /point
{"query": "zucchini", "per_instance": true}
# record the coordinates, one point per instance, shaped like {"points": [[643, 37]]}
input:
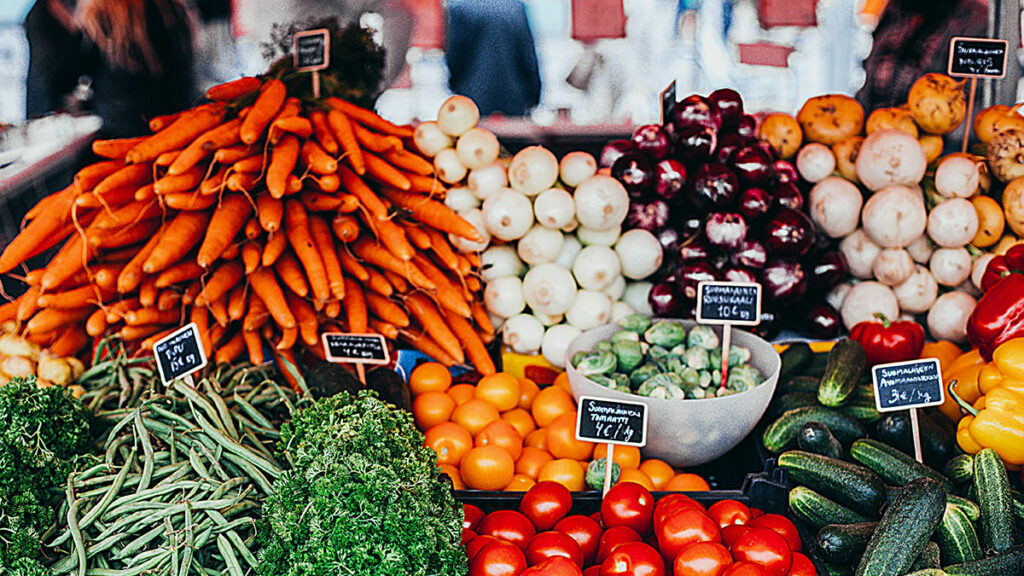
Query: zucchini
{"points": [[937, 447], [960, 469], [795, 357], [844, 543], [846, 363], [781, 434], [807, 384], [956, 536], [852, 485], [993, 487], [815, 437], [904, 530], [787, 402], [817, 510], [1009, 563], [894, 466], [966, 506], [929, 558]]}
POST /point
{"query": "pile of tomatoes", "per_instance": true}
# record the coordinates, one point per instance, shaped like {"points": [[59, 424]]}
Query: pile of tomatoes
{"points": [[632, 535]]}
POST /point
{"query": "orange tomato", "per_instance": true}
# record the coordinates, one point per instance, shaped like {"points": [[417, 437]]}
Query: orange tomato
{"points": [[520, 483], [450, 441], [501, 390], [527, 392], [636, 476], [565, 471], [429, 376], [454, 474], [944, 350], [432, 408], [658, 471], [686, 482], [503, 435], [475, 414], [521, 419], [562, 381], [461, 393], [562, 442], [624, 456], [532, 460], [551, 403], [537, 439], [487, 468]]}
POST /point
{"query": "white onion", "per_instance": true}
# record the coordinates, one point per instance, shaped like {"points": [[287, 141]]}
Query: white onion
{"points": [[571, 226], [835, 205], [498, 261], [979, 267], [430, 140], [595, 267], [457, 115], [554, 208], [957, 177], [576, 167], [601, 202], [616, 288], [892, 266], [591, 237], [890, 157], [556, 341], [523, 334], [916, 294], [865, 300], [476, 218], [460, 198], [815, 162], [953, 223], [533, 169], [448, 167], [589, 310], [540, 245], [947, 319], [571, 246], [549, 288], [636, 295], [504, 296], [620, 310], [547, 319], [485, 181], [921, 249], [951, 266], [640, 253], [860, 253], [477, 148], [508, 215], [894, 217], [837, 295]]}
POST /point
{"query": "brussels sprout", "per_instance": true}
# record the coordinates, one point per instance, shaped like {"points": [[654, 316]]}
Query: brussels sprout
{"points": [[621, 381], [624, 389], [698, 393], [716, 377], [655, 352], [719, 392], [679, 349], [597, 362], [703, 336], [690, 377], [604, 380], [625, 335], [737, 355], [706, 379], [628, 353], [744, 377], [578, 357], [641, 374], [671, 363], [635, 323], [603, 345], [596, 471], [667, 385], [665, 334], [696, 358]]}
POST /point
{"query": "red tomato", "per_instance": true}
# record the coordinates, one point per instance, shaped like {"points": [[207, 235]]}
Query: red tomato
{"points": [[782, 525], [585, 532], [755, 512], [702, 559], [555, 566], [467, 535], [766, 547], [474, 545], [660, 513], [746, 569], [633, 559], [730, 534], [802, 566], [685, 526], [508, 525], [628, 504], [613, 538], [472, 517], [545, 503], [498, 559], [594, 570], [596, 517], [673, 498], [728, 512], [550, 544]]}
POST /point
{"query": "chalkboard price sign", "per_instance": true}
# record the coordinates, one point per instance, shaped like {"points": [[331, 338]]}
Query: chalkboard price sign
{"points": [[903, 385], [729, 303], [179, 353], [668, 100], [977, 57], [355, 348], [312, 50], [611, 422]]}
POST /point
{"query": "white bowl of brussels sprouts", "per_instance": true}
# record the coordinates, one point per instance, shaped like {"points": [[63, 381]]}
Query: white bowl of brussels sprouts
{"points": [[673, 366]]}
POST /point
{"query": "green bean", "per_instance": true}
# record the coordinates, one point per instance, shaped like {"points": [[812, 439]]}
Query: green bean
{"points": [[197, 464], [224, 525], [252, 412], [117, 505], [172, 538], [214, 460], [252, 472], [186, 562], [225, 414], [135, 571], [89, 473], [102, 505], [227, 486], [147, 451], [196, 397], [234, 447], [76, 533], [229, 556], [113, 447], [135, 545]]}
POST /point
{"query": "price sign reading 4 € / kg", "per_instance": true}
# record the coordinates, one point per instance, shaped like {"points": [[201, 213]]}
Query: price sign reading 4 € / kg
{"points": [[903, 385], [179, 353], [611, 422], [729, 303]]}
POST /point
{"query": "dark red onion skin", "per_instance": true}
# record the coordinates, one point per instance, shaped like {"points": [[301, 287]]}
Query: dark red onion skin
{"points": [[635, 172], [688, 227], [689, 275], [770, 326], [713, 187], [728, 144], [755, 203], [785, 171], [695, 143], [693, 250], [751, 165], [750, 254], [669, 239], [725, 230], [784, 282], [612, 150], [739, 275], [829, 269], [822, 321], [788, 233], [729, 105], [653, 140], [670, 179], [652, 215], [694, 109], [747, 127], [665, 300], [788, 195]]}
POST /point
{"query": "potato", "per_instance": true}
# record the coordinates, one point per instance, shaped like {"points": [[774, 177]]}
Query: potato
{"points": [[782, 132], [892, 266], [1005, 243], [916, 294], [994, 119], [846, 151], [860, 253], [932, 146], [937, 103], [18, 366], [991, 221], [866, 299], [830, 118], [1013, 205], [891, 119], [77, 368], [1006, 154], [13, 345], [56, 370], [835, 206], [953, 223]]}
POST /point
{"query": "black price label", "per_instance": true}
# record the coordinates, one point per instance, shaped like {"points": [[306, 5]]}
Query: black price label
{"points": [[903, 385], [729, 303], [611, 422], [356, 348], [312, 50], [977, 57], [668, 100], [179, 353]]}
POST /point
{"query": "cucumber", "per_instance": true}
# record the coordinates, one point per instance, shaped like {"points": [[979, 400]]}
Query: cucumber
{"points": [[817, 510], [1009, 563], [836, 569], [781, 434], [846, 363], [929, 572], [852, 485], [816, 367], [787, 402], [966, 506], [795, 357], [894, 466], [937, 447], [815, 437], [904, 529], [993, 487], [960, 469], [807, 384], [929, 558], [862, 408], [1018, 504], [844, 542], [956, 536]]}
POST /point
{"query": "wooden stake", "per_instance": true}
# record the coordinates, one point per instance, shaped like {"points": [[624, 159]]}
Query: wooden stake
{"points": [[968, 120], [609, 459], [361, 372], [917, 435], [726, 338]]}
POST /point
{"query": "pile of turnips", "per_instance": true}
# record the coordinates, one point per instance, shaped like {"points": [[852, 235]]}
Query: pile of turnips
{"points": [[554, 256]]}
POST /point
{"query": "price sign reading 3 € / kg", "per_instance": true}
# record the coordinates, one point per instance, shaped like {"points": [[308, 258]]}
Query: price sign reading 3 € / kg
{"points": [[180, 353], [903, 385]]}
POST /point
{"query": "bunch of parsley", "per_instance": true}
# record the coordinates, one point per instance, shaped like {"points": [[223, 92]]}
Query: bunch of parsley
{"points": [[363, 497]]}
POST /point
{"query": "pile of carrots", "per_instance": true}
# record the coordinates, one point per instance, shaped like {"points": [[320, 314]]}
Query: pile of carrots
{"points": [[259, 217]]}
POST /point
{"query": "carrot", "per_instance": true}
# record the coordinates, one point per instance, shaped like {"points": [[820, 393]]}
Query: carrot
{"points": [[87, 178], [221, 136], [396, 281], [475, 348], [317, 202], [379, 284], [148, 293], [115, 312], [266, 106], [447, 295], [33, 277], [417, 235], [226, 277], [136, 333], [345, 227], [167, 158], [250, 256], [254, 347], [26, 243], [282, 162], [233, 89], [428, 316], [151, 341], [349, 203], [291, 108], [368, 118], [306, 318], [87, 295], [110, 199], [230, 350], [376, 142], [265, 285], [127, 236], [144, 316], [251, 164], [71, 258], [115, 148], [256, 316], [443, 249], [185, 128], [158, 123], [321, 234], [97, 323], [428, 347], [201, 317], [131, 212], [219, 311], [387, 310], [168, 300], [386, 329], [228, 219], [9, 310], [144, 193], [232, 154], [393, 237], [241, 181], [181, 272], [380, 257], [71, 341], [355, 307], [296, 125], [351, 265], [292, 275], [191, 291], [50, 319], [433, 213], [276, 244], [176, 183], [189, 201], [59, 198], [132, 175], [332, 309], [105, 277], [44, 339], [342, 130], [216, 334], [410, 162], [270, 211], [385, 173], [367, 197], [28, 304], [323, 132], [318, 160], [480, 316], [425, 184], [178, 238], [295, 183], [252, 228], [237, 300], [328, 183], [301, 240], [473, 283]]}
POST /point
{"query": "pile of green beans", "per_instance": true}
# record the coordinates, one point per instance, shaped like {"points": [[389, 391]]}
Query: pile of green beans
{"points": [[180, 483]]}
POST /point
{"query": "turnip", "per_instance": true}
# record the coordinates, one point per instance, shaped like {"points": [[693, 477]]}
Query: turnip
{"points": [[892, 266], [636, 295], [951, 266], [957, 176], [460, 198], [540, 245], [953, 223], [860, 253], [448, 167], [921, 249], [937, 103], [476, 218], [576, 167], [589, 236], [485, 181], [979, 267], [477, 148], [970, 288], [571, 246], [835, 206], [616, 288], [457, 115], [640, 253], [1013, 205], [548, 320], [837, 295], [498, 261], [589, 310], [548, 288], [554, 208], [596, 267], [430, 140], [504, 296], [601, 202], [523, 334], [620, 310], [533, 169], [815, 162], [556, 341], [947, 319], [917, 292], [865, 300], [888, 158], [894, 217], [508, 214], [571, 226]]}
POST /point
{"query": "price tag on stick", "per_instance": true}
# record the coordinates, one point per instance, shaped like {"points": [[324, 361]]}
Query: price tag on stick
{"points": [[179, 354], [311, 51], [611, 422], [908, 386], [728, 303], [668, 100], [976, 58], [358, 349]]}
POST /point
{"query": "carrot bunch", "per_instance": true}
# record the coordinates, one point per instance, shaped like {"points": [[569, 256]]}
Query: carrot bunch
{"points": [[261, 218]]}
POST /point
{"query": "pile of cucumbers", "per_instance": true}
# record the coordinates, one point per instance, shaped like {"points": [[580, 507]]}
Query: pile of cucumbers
{"points": [[876, 510]]}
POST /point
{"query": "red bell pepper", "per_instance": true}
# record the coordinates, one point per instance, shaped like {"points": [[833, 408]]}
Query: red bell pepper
{"points": [[994, 272], [886, 341], [999, 315]]}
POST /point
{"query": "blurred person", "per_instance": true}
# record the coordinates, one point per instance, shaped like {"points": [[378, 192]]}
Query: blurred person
{"points": [[137, 54], [911, 39], [491, 55]]}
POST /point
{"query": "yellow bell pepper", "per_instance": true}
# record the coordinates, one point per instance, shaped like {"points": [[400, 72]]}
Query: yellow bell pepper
{"points": [[966, 387], [964, 438], [988, 378], [1009, 358], [972, 358], [995, 421]]}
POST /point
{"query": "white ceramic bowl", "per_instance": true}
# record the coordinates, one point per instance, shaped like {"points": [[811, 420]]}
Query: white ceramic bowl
{"points": [[690, 432]]}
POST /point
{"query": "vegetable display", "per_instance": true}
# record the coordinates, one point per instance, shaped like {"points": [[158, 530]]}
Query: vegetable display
{"points": [[22, 358]]}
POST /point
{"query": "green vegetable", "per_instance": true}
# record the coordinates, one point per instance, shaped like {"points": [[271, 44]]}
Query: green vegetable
{"points": [[665, 334], [815, 437], [968, 507], [606, 381], [665, 385], [894, 466], [625, 336], [781, 434], [929, 558], [849, 484], [960, 469], [846, 362], [844, 542], [603, 346], [696, 358], [783, 403], [794, 358], [1009, 563], [703, 336], [993, 487], [904, 530], [743, 377], [957, 539], [635, 323], [597, 362], [642, 374], [737, 356], [799, 384], [817, 510], [595, 473]]}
